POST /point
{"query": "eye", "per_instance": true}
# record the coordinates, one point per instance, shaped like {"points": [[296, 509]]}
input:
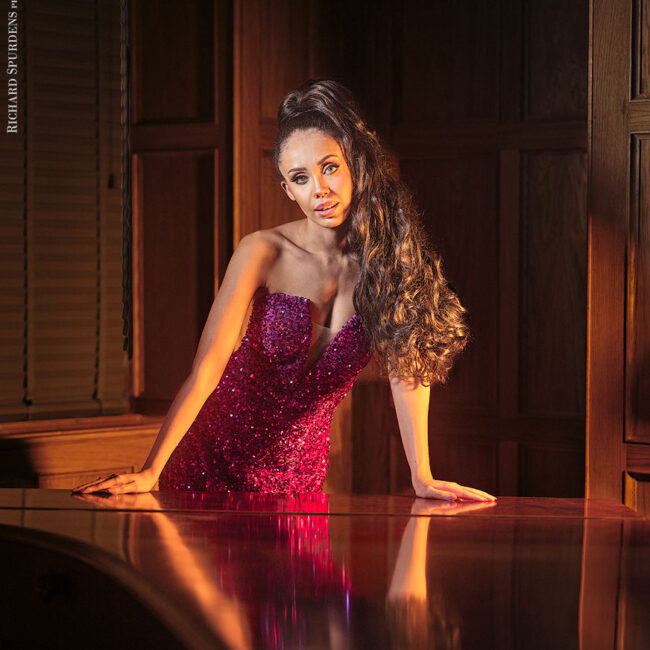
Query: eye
{"points": [[330, 168], [301, 179]]}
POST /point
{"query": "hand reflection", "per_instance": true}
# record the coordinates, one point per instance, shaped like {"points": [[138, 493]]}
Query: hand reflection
{"points": [[415, 616], [191, 574], [430, 507], [134, 501]]}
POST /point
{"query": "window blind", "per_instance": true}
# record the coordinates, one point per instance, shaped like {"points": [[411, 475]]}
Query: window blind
{"points": [[61, 339]]}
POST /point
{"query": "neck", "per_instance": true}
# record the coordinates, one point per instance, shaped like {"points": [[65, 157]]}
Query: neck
{"points": [[321, 240]]}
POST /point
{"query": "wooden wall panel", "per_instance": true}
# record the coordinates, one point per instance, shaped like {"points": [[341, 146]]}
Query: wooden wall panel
{"points": [[555, 40], [618, 384], [284, 49], [182, 224], [458, 197], [547, 470], [176, 211], [641, 51], [173, 62], [450, 60], [553, 282], [637, 340]]}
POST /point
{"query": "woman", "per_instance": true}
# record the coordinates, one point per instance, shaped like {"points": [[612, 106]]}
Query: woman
{"points": [[351, 279]]}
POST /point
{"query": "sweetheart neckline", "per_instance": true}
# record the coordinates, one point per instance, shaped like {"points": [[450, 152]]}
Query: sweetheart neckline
{"points": [[317, 359]]}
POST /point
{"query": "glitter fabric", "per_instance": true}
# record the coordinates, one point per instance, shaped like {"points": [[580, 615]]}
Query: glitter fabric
{"points": [[265, 427]]}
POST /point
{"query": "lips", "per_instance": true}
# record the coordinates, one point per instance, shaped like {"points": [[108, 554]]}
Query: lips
{"points": [[326, 206]]}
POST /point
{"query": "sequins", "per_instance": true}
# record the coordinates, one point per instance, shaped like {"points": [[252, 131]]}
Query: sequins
{"points": [[266, 426]]}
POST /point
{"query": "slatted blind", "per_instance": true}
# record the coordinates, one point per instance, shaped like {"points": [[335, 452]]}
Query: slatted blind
{"points": [[60, 228]]}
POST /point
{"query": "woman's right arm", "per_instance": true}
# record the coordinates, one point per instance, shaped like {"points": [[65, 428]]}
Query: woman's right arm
{"points": [[247, 270]]}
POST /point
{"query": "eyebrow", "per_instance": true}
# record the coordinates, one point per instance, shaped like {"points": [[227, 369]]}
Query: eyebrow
{"points": [[329, 155]]}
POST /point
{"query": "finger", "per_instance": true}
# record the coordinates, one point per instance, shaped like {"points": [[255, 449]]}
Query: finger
{"points": [[99, 479], [483, 495], [85, 485], [471, 506], [106, 483], [470, 493]]}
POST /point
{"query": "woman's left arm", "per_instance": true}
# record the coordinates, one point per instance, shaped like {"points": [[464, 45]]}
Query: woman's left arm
{"points": [[412, 407]]}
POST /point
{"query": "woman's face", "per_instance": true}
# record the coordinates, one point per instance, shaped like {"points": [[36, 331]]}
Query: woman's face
{"points": [[316, 176]]}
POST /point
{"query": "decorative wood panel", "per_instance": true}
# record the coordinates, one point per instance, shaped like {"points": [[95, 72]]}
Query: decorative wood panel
{"points": [[458, 198], [67, 453], [173, 61], [450, 61], [641, 51], [553, 283], [637, 339], [182, 225], [556, 42], [546, 470], [176, 212], [617, 354]]}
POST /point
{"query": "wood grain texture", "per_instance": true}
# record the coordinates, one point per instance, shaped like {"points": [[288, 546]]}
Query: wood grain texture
{"points": [[637, 340], [556, 38], [458, 197], [173, 62], [177, 211], [438, 85], [608, 218], [553, 283]]}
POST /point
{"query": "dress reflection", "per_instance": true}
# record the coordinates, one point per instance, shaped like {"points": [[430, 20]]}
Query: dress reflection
{"points": [[261, 579]]}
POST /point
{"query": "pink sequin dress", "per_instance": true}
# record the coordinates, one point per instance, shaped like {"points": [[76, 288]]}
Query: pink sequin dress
{"points": [[265, 427]]}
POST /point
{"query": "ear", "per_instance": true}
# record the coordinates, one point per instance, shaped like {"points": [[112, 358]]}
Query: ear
{"points": [[285, 187]]}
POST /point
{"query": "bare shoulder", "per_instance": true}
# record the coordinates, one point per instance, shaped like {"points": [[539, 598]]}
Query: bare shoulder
{"points": [[284, 236]]}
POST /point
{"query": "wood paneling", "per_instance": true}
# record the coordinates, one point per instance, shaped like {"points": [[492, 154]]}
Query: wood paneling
{"points": [[67, 453], [637, 340], [176, 211], [546, 470], [641, 53], [459, 199], [173, 61], [182, 224], [619, 249], [553, 282], [555, 83], [449, 63]]}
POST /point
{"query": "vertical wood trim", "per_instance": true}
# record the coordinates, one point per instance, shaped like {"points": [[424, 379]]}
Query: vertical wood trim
{"points": [[247, 118], [137, 266], [599, 583], [608, 214], [508, 397]]}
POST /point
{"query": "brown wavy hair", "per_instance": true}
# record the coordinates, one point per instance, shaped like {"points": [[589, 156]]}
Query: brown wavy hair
{"points": [[414, 319]]}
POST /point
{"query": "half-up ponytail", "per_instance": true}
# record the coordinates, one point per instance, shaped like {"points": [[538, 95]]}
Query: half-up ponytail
{"points": [[414, 320]]}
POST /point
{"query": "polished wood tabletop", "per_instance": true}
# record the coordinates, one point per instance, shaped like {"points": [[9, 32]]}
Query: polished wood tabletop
{"points": [[200, 570]]}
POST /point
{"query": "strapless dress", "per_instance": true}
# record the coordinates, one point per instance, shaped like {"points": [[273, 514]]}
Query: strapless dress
{"points": [[266, 426]]}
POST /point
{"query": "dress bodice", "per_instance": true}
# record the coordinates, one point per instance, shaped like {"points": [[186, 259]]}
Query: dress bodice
{"points": [[265, 427]]}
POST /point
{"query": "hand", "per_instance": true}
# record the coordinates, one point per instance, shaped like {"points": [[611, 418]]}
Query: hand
{"points": [[429, 488], [141, 501], [120, 483]]}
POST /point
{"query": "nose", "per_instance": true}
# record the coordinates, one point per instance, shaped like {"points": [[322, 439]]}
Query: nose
{"points": [[320, 188]]}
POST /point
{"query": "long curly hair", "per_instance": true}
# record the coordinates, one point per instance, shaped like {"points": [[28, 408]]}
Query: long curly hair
{"points": [[414, 319]]}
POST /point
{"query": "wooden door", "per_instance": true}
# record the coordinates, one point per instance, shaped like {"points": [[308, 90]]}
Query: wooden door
{"points": [[618, 393]]}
